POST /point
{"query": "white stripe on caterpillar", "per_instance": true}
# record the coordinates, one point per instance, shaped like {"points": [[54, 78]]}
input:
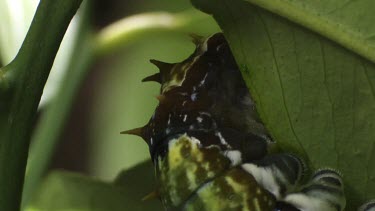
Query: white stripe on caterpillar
{"points": [[325, 192], [279, 174], [369, 206]]}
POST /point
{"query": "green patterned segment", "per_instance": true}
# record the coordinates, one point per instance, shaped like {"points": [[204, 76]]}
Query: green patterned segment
{"points": [[186, 168], [195, 175], [236, 190]]}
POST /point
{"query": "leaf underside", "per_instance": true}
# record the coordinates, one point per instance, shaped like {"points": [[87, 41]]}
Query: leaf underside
{"points": [[316, 97]]}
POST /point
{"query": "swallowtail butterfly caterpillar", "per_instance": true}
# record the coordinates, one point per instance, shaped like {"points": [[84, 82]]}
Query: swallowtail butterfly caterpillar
{"points": [[209, 147]]}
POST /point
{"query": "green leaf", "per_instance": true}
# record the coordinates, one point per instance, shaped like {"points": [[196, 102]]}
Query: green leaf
{"points": [[70, 191], [316, 97], [349, 23]]}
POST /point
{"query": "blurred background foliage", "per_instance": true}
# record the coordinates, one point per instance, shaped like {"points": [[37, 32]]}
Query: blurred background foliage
{"points": [[111, 98]]}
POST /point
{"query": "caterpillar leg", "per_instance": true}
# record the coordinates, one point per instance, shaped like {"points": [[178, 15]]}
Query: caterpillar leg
{"points": [[279, 173], [325, 192], [369, 206]]}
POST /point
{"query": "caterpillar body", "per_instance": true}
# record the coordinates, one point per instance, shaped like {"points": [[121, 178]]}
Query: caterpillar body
{"points": [[210, 149]]}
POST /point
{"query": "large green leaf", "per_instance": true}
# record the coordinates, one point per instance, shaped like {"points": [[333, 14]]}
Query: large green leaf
{"points": [[316, 97], [350, 23], [69, 191]]}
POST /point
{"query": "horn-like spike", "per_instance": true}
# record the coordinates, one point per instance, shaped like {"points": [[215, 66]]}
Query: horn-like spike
{"points": [[135, 131], [153, 195], [156, 78], [163, 66], [196, 39]]}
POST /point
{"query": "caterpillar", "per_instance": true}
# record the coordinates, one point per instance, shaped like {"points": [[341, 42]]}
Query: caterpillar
{"points": [[210, 149]]}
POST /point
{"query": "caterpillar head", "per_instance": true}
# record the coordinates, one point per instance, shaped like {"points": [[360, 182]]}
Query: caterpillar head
{"points": [[204, 96]]}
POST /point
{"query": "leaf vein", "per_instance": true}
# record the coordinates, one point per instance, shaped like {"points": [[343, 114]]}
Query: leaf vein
{"points": [[324, 62]]}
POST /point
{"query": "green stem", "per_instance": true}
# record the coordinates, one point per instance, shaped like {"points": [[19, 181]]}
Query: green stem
{"points": [[53, 120], [28, 74]]}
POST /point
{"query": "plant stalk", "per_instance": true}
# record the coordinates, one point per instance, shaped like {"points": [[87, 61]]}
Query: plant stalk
{"points": [[26, 76]]}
